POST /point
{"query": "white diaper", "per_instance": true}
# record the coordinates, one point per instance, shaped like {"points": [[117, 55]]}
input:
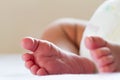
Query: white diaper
{"points": [[104, 23]]}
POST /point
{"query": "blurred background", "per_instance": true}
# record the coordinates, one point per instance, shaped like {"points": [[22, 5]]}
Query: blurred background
{"points": [[20, 18]]}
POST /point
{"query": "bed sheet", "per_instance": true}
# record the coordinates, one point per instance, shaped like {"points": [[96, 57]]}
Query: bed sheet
{"points": [[12, 68]]}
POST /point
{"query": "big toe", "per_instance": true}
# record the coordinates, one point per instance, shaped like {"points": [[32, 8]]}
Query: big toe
{"points": [[29, 43], [94, 42]]}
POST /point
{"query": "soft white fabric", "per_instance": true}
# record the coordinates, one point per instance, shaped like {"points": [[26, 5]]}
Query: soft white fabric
{"points": [[12, 68]]}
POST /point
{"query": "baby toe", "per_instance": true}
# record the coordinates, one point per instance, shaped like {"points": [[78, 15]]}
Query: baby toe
{"points": [[108, 68], [34, 69], [30, 43], [42, 71], [100, 52], [27, 57], [94, 42], [29, 64], [106, 60]]}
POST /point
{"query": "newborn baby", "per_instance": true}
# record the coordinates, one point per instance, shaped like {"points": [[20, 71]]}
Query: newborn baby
{"points": [[70, 46]]}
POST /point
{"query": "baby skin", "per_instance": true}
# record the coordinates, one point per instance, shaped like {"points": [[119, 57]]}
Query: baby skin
{"points": [[46, 58], [106, 55]]}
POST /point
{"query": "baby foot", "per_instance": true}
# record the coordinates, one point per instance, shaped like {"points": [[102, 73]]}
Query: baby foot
{"points": [[46, 59], [106, 55]]}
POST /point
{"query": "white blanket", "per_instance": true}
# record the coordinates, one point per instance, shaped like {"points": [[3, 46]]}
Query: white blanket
{"points": [[12, 68]]}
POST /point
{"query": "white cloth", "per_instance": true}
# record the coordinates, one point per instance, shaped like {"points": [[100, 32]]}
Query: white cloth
{"points": [[12, 68]]}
